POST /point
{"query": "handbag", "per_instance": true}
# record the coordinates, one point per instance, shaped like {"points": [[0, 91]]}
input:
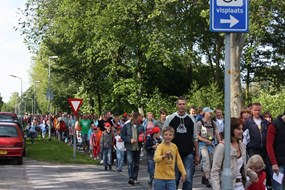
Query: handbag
{"points": [[142, 137]]}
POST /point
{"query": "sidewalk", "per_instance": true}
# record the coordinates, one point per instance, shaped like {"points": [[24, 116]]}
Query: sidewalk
{"points": [[143, 176]]}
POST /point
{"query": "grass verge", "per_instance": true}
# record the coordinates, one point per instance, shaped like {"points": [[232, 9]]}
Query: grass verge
{"points": [[56, 152]]}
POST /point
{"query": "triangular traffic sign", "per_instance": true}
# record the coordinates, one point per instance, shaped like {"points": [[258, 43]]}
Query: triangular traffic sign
{"points": [[75, 104]]}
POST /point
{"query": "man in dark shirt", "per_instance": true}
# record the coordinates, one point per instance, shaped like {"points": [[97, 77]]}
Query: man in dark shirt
{"points": [[185, 139], [106, 118], [257, 127]]}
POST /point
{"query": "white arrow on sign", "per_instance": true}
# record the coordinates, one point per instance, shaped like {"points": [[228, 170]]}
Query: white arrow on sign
{"points": [[233, 21]]}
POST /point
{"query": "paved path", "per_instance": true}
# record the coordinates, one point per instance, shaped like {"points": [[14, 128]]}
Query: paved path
{"points": [[41, 175]]}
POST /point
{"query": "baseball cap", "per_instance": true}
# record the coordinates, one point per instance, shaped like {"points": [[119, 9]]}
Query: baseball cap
{"points": [[207, 109], [107, 124], [155, 130], [94, 128]]}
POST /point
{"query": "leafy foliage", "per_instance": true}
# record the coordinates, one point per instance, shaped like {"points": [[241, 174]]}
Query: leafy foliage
{"points": [[125, 55], [271, 101], [210, 96]]}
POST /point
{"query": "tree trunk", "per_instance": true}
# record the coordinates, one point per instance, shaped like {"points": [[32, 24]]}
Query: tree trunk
{"points": [[99, 101], [139, 91], [218, 64], [237, 41]]}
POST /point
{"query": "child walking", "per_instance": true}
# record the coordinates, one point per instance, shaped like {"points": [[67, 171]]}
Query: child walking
{"points": [[120, 149], [150, 146], [255, 171], [93, 142], [166, 158], [106, 145]]}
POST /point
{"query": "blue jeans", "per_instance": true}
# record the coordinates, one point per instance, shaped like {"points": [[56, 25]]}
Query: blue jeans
{"points": [[150, 169], [120, 159], [33, 136], [275, 184], [160, 184], [189, 165], [206, 154], [107, 155], [133, 163]]}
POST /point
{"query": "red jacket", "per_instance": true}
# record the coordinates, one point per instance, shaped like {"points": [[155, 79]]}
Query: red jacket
{"points": [[62, 127], [260, 185]]}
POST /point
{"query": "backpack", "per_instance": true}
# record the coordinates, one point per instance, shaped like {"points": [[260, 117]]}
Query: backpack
{"points": [[204, 129]]}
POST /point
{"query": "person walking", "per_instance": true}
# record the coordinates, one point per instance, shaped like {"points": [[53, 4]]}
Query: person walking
{"points": [[275, 146], [106, 145], [85, 124], [255, 171], [120, 149], [129, 134], [167, 158], [43, 127], [150, 146], [32, 131], [257, 128], [237, 156], [162, 118], [207, 132], [185, 138]]}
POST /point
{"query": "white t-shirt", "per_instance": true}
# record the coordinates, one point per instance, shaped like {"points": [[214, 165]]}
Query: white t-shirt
{"points": [[220, 125], [258, 123], [119, 143]]}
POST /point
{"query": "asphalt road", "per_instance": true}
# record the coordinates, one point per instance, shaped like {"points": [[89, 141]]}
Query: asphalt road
{"points": [[41, 175]]}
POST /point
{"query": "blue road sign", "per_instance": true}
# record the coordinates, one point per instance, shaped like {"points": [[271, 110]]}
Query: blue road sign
{"points": [[229, 15]]}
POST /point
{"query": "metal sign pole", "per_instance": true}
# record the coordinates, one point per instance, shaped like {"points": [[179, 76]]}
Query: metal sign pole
{"points": [[227, 180], [74, 136]]}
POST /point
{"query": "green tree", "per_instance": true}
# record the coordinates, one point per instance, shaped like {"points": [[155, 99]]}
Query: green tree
{"points": [[271, 101], [1, 102], [116, 54]]}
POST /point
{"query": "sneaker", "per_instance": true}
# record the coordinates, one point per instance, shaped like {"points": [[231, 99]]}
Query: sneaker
{"points": [[150, 180], [207, 183], [203, 181], [136, 182], [131, 182], [101, 162]]}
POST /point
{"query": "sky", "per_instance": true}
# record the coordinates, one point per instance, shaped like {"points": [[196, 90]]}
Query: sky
{"points": [[15, 58]]}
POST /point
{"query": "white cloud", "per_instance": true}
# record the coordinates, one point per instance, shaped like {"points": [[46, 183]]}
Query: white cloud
{"points": [[14, 56]]}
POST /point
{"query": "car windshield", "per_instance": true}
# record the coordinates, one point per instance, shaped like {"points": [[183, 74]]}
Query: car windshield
{"points": [[8, 116], [8, 131]]}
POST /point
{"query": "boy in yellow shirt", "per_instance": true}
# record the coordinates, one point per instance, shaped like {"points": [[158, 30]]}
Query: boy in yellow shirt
{"points": [[166, 157]]}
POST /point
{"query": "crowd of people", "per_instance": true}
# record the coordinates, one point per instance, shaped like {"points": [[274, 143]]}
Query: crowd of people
{"points": [[177, 142]]}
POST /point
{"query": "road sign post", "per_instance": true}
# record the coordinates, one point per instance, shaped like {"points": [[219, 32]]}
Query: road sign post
{"points": [[229, 16], [75, 104]]}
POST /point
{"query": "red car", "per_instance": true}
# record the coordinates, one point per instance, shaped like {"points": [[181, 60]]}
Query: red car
{"points": [[12, 143], [8, 116]]}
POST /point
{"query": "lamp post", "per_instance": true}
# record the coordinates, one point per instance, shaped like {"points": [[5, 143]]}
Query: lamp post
{"points": [[21, 90], [49, 94], [32, 100], [35, 107]]}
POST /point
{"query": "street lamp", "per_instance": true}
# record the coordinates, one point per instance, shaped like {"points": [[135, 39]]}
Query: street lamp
{"points": [[49, 94], [21, 89], [32, 100], [35, 107]]}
